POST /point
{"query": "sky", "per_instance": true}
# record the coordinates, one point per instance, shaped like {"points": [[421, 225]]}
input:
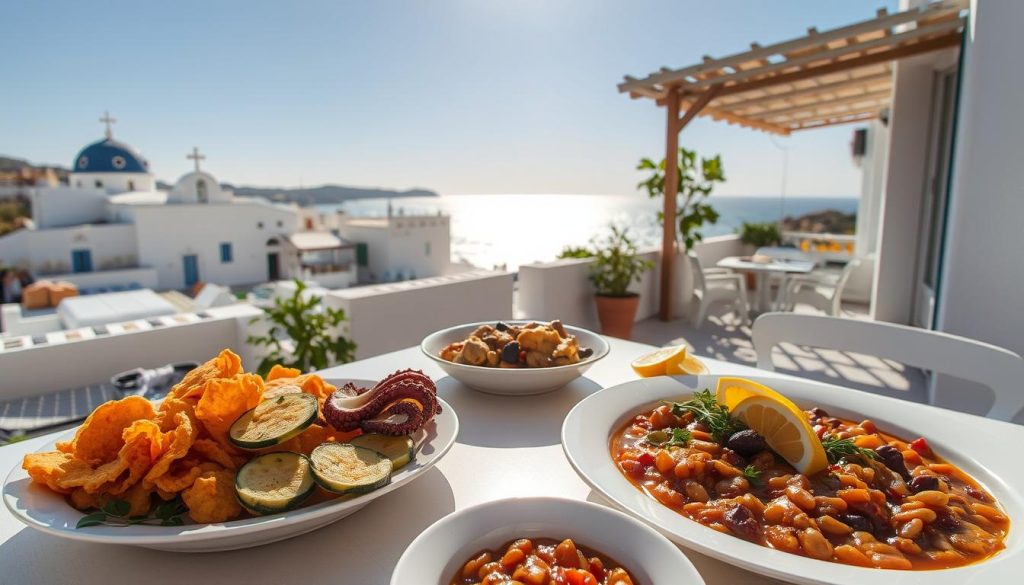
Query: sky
{"points": [[458, 96]]}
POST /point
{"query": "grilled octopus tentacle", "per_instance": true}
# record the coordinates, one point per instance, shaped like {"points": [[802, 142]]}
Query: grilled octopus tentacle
{"points": [[399, 404]]}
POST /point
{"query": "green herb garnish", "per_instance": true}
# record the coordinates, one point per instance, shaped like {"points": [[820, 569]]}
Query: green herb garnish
{"points": [[676, 438], [836, 449], [752, 474], [115, 513], [706, 409]]}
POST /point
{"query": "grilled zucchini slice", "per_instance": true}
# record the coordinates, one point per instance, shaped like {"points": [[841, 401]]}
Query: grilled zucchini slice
{"points": [[274, 482], [400, 450], [344, 468], [274, 421]]}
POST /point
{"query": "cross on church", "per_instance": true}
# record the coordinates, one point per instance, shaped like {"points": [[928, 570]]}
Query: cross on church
{"points": [[106, 119], [195, 156]]}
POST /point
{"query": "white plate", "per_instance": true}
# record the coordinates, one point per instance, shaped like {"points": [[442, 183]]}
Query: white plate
{"points": [[984, 448], [512, 381], [44, 510], [442, 549]]}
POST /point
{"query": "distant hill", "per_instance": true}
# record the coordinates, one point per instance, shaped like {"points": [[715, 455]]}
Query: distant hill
{"points": [[325, 194], [10, 164]]}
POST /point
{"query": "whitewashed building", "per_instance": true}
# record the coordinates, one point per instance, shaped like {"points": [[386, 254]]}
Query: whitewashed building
{"points": [[399, 247], [110, 228]]}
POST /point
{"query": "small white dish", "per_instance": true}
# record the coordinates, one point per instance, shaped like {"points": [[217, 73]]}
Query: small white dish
{"points": [[44, 510], [512, 381], [442, 549], [976, 445]]}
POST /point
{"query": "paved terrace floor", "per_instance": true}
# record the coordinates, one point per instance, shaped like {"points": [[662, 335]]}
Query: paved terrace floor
{"points": [[723, 337]]}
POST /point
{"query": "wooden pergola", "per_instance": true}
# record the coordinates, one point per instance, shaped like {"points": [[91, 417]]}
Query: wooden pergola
{"points": [[839, 76]]}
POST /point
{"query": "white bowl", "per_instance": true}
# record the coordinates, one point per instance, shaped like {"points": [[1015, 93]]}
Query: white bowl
{"points": [[442, 549], [511, 381], [44, 510], [979, 446]]}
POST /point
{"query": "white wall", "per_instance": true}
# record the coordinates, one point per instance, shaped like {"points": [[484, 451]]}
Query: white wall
{"points": [[114, 182], [64, 206], [387, 317], [48, 251], [144, 277], [562, 290], [905, 169], [48, 368], [872, 187], [173, 231], [982, 270], [399, 244]]}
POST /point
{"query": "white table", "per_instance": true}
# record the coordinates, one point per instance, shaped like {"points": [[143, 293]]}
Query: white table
{"points": [[761, 271], [506, 447]]}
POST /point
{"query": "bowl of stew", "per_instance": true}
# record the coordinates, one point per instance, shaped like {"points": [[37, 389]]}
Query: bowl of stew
{"points": [[919, 494], [508, 374], [546, 540]]}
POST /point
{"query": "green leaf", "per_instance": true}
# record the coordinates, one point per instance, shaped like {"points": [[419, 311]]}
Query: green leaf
{"points": [[118, 508], [94, 519]]}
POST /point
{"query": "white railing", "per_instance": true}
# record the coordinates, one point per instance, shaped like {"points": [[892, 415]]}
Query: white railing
{"points": [[43, 369], [561, 289]]}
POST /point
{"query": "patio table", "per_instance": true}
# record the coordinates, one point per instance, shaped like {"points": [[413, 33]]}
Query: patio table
{"points": [[507, 447], [761, 271]]}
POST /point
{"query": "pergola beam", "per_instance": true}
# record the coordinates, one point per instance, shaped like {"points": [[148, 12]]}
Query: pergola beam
{"points": [[824, 103]]}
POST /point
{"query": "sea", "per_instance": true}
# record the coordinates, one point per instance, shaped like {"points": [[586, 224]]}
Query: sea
{"points": [[507, 231]]}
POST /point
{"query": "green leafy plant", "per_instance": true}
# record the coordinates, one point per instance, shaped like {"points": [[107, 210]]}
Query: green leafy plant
{"points": [[298, 318], [696, 182], [575, 252], [115, 513], [617, 265], [760, 234]]}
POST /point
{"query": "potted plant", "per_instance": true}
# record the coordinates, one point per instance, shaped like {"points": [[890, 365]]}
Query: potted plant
{"points": [[759, 235], [299, 322], [616, 266]]}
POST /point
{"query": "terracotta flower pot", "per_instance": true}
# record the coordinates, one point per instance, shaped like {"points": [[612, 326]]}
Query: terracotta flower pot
{"points": [[617, 314]]}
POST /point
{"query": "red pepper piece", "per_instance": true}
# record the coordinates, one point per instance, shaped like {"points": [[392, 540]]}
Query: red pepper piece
{"points": [[646, 459], [921, 446]]}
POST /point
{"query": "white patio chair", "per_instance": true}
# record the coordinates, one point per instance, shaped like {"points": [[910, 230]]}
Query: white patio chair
{"points": [[999, 369], [712, 285], [820, 290]]}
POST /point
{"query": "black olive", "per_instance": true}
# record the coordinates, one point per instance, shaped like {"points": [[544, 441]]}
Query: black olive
{"points": [[500, 326], [857, 522], [893, 459], [818, 412], [510, 353], [923, 483], [586, 352], [746, 442], [741, 522]]}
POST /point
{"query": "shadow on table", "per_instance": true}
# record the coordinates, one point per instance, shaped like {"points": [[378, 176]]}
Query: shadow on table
{"points": [[487, 420], [361, 548]]}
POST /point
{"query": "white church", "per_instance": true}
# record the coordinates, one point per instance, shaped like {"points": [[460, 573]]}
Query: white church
{"points": [[110, 228]]}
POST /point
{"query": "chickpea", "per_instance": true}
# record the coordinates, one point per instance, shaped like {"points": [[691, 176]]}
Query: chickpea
{"points": [[851, 556], [912, 528], [801, 497], [513, 557]]}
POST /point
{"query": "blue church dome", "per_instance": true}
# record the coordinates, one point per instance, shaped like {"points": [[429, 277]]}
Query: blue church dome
{"points": [[109, 156]]}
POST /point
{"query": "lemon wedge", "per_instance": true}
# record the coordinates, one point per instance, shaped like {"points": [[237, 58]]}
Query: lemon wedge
{"points": [[656, 363], [785, 428], [731, 391], [690, 366]]}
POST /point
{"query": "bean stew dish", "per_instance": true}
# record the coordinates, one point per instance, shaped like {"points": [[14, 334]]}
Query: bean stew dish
{"points": [[879, 501], [541, 561]]}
